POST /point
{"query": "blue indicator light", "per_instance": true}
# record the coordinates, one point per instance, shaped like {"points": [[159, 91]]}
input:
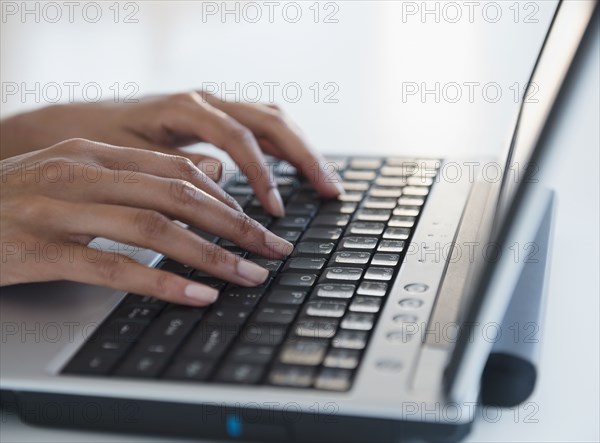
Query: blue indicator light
{"points": [[234, 426]]}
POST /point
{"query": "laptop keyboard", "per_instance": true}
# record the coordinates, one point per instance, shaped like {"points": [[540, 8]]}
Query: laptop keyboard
{"points": [[308, 325]]}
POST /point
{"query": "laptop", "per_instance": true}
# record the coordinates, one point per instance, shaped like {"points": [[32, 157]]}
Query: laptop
{"points": [[371, 330]]}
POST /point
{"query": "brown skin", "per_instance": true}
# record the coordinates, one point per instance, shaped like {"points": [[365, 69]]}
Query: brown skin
{"points": [[56, 200]]}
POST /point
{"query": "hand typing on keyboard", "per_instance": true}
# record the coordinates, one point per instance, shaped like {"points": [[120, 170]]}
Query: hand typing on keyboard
{"points": [[55, 201], [166, 123]]}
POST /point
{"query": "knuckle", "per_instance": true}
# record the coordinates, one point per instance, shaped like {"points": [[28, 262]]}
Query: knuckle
{"points": [[183, 192], [151, 224], [239, 134], [181, 97], [245, 225], [184, 167], [109, 268], [163, 282], [213, 255]]}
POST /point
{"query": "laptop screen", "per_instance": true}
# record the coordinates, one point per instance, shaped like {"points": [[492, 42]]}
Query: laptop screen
{"points": [[526, 153]]}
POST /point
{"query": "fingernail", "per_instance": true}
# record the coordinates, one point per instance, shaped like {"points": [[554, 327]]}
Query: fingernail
{"points": [[201, 293], [276, 203], [338, 185], [278, 244], [251, 271]]}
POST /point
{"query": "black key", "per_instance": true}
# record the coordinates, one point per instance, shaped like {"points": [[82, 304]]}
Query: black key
{"points": [[330, 234], [338, 207], [301, 280], [365, 304], [120, 331], [270, 265], [334, 379], [377, 191], [275, 314], [411, 201], [285, 296], [351, 258], [305, 196], [303, 352], [241, 199], [252, 354], [398, 221], [185, 368], [210, 341], [331, 309], [270, 335], [133, 312], [373, 215], [352, 174], [407, 211], [350, 340], [366, 228], [292, 376], [356, 186], [292, 222], [313, 248], [263, 220], [316, 327], [230, 314], [342, 358], [286, 192], [385, 259], [365, 163], [141, 364], [94, 360], [391, 246], [144, 300], [334, 290], [175, 267], [364, 243], [246, 297], [170, 328], [340, 220], [358, 321], [240, 373], [377, 273], [396, 233], [305, 263], [380, 203], [305, 209], [351, 197], [376, 289], [342, 273], [415, 191], [289, 235]]}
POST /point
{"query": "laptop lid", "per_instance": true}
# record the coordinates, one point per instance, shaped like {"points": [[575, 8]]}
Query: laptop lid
{"points": [[490, 293]]}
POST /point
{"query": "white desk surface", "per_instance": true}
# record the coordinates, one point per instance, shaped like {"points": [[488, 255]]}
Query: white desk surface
{"points": [[367, 55]]}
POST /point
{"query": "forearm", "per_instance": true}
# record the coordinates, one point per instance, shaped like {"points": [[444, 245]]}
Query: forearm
{"points": [[47, 126]]}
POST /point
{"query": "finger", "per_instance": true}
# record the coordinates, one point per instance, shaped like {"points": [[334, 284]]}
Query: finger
{"points": [[117, 271], [149, 229], [182, 201], [216, 127], [285, 139], [159, 164]]}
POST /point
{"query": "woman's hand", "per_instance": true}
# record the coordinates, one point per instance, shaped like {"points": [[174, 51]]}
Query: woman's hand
{"points": [[165, 123], [56, 200]]}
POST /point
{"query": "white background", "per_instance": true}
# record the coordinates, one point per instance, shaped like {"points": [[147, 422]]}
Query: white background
{"points": [[372, 52]]}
